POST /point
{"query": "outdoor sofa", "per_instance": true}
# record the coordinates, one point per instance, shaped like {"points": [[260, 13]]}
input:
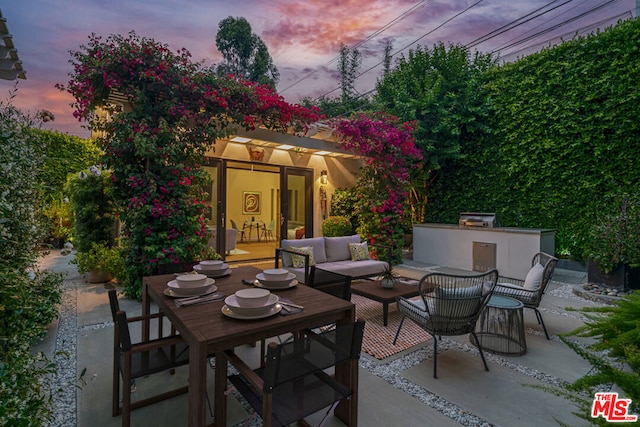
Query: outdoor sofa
{"points": [[346, 255]]}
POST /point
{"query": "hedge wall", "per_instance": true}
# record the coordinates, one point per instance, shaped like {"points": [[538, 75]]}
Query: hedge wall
{"points": [[564, 142]]}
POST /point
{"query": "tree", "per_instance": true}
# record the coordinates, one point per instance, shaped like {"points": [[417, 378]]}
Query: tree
{"points": [[245, 54], [441, 90]]}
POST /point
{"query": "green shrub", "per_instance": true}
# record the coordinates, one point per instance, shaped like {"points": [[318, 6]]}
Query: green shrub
{"points": [[28, 297], [100, 258], [335, 226]]}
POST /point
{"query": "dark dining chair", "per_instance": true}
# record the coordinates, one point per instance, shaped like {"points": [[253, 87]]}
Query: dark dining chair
{"points": [[140, 359], [449, 305], [294, 382]]}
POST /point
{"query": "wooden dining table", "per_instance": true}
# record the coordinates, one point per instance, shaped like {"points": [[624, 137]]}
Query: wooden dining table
{"points": [[208, 331]]}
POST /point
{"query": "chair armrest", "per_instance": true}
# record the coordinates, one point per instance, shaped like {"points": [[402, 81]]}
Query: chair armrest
{"points": [[157, 343], [157, 315], [252, 378], [307, 258]]}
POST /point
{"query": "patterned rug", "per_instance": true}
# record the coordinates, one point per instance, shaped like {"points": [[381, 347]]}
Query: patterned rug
{"points": [[378, 339]]}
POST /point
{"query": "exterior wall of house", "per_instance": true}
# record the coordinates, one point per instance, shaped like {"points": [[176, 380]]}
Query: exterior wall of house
{"points": [[341, 173]]}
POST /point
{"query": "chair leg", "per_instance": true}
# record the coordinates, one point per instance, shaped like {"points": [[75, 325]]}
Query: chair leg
{"points": [[115, 394], [541, 322], [398, 331], [475, 337], [435, 357]]}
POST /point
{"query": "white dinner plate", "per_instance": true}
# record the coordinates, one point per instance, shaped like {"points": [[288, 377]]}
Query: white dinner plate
{"points": [[230, 313], [187, 292], [274, 283], [173, 293], [270, 286]]}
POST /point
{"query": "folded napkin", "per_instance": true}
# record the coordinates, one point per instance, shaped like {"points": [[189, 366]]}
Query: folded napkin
{"points": [[289, 309]]}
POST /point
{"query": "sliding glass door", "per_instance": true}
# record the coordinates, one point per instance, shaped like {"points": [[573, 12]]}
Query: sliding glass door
{"points": [[297, 199]]}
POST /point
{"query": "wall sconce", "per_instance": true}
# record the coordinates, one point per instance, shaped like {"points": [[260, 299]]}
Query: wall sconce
{"points": [[323, 177]]}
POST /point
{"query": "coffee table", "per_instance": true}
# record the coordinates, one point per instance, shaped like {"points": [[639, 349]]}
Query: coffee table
{"points": [[373, 290]]}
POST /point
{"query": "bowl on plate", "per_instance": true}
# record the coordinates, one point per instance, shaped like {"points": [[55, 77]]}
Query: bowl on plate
{"points": [[212, 264], [254, 297], [182, 291], [275, 274], [276, 283], [191, 280], [232, 303]]}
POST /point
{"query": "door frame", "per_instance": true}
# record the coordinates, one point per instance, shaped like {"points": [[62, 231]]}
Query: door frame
{"points": [[307, 173]]}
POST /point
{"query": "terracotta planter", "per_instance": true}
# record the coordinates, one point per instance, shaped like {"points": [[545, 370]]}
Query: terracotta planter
{"points": [[96, 276]]}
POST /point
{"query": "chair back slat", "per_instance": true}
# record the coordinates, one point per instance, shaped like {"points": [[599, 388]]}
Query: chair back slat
{"points": [[123, 330]]}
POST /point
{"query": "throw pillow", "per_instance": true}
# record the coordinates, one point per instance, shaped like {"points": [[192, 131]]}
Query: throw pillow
{"points": [[298, 260], [359, 251], [534, 277]]}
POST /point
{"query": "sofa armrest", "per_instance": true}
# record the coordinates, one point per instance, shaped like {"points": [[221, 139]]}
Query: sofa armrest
{"points": [[307, 257]]}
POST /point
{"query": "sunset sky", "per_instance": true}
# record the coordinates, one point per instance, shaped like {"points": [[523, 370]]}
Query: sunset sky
{"points": [[303, 36]]}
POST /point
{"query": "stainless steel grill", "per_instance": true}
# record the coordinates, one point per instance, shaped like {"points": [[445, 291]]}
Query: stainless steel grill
{"points": [[477, 219]]}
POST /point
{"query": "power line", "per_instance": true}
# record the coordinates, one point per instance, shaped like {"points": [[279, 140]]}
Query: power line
{"points": [[554, 27], [385, 27], [511, 25], [413, 42]]}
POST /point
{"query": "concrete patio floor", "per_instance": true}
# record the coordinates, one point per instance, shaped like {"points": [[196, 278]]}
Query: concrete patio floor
{"points": [[399, 390]]}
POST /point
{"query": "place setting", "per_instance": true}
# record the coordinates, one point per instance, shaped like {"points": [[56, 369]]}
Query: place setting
{"points": [[190, 289], [249, 304], [212, 268], [275, 279]]}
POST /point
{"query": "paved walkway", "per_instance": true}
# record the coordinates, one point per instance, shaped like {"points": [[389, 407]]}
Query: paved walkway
{"points": [[397, 391]]}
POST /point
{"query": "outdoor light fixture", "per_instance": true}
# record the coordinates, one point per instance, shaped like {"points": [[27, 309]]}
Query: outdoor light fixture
{"points": [[323, 177], [240, 139]]}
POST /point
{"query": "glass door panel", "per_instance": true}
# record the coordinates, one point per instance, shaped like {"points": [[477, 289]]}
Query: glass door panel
{"points": [[297, 199]]}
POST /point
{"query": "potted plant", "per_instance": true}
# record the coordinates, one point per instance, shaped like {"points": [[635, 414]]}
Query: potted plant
{"points": [[101, 262], [614, 250], [388, 278]]}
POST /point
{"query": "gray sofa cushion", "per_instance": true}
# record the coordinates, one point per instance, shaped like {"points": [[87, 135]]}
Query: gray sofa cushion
{"points": [[369, 267], [317, 243], [337, 248]]}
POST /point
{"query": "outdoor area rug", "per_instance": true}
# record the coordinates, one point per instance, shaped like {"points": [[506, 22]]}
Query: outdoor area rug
{"points": [[378, 339]]}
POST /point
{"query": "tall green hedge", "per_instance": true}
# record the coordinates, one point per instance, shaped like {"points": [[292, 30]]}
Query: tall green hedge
{"points": [[564, 143]]}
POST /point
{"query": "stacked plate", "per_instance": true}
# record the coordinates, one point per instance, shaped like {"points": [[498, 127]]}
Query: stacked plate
{"points": [[276, 278], [212, 268], [251, 304], [191, 285]]}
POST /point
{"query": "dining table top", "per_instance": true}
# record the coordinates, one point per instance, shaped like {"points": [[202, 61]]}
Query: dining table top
{"points": [[207, 323]]}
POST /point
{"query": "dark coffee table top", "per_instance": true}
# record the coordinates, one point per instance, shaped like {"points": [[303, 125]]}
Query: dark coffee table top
{"points": [[373, 289]]}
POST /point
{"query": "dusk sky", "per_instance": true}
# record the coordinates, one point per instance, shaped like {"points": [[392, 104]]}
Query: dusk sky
{"points": [[303, 36]]}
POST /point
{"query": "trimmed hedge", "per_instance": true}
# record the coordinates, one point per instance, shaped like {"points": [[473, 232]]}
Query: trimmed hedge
{"points": [[564, 143]]}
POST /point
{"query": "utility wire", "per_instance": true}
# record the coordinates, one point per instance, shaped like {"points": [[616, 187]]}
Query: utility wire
{"points": [[554, 27], [385, 27], [516, 23], [412, 43]]}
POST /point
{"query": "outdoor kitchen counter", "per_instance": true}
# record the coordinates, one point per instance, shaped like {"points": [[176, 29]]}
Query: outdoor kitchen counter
{"points": [[454, 246]]}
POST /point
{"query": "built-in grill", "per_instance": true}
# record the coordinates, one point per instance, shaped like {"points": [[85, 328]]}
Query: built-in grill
{"points": [[477, 219]]}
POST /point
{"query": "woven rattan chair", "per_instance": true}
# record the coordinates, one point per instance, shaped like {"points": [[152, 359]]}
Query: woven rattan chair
{"points": [[530, 290], [294, 383], [448, 304], [136, 360]]}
